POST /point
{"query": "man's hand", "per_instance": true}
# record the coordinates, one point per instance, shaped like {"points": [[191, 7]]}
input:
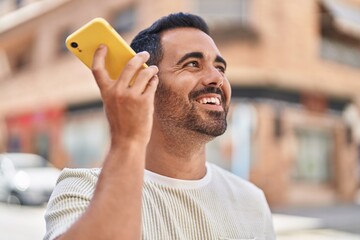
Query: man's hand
{"points": [[129, 100]]}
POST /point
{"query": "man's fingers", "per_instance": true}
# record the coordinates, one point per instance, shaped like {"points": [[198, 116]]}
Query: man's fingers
{"points": [[143, 77], [98, 66], [131, 69], [151, 86], [133, 72]]}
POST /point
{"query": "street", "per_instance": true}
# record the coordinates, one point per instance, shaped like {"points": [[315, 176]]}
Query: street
{"points": [[21, 223], [318, 223], [325, 223]]}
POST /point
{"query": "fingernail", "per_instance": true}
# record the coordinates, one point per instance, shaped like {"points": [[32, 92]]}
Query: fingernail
{"points": [[144, 53], [154, 66], [102, 46]]}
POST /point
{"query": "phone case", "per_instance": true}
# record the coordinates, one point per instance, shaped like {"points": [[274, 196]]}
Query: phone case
{"points": [[84, 42]]}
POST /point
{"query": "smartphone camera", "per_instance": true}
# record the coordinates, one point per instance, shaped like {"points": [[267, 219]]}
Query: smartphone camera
{"points": [[74, 45]]}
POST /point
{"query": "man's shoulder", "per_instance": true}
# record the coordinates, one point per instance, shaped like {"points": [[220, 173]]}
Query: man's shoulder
{"points": [[233, 180], [81, 171], [78, 181], [79, 175]]}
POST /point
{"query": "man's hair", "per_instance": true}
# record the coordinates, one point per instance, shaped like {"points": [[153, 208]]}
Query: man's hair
{"points": [[149, 39]]}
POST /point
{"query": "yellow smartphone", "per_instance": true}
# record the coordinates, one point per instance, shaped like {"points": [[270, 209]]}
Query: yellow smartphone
{"points": [[84, 42]]}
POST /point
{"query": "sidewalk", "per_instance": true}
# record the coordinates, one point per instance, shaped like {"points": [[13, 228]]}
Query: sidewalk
{"points": [[320, 223]]}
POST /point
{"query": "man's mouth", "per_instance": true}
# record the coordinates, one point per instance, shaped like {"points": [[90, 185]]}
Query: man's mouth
{"points": [[210, 100], [211, 97]]}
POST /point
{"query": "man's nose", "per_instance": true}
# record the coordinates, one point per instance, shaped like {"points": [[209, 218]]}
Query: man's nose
{"points": [[213, 77]]}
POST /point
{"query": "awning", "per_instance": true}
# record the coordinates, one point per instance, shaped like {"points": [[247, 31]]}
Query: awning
{"points": [[28, 12], [346, 17]]}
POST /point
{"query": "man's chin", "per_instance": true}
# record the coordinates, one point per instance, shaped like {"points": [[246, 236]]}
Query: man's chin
{"points": [[216, 114], [214, 130]]}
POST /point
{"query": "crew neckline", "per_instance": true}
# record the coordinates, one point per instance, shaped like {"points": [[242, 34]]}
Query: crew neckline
{"points": [[178, 183]]}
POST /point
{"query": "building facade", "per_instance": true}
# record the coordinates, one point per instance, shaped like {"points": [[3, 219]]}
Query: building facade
{"points": [[293, 66]]}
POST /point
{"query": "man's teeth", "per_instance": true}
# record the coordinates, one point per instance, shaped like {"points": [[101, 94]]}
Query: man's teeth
{"points": [[212, 100]]}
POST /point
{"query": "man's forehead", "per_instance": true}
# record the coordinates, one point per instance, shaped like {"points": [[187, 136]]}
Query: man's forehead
{"points": [[187, 40]]}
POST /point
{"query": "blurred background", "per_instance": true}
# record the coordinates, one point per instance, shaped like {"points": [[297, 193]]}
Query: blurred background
{"points": [[294, 124]]}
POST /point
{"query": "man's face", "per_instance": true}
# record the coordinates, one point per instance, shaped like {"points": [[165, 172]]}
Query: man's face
{"points": [[193, 92]]}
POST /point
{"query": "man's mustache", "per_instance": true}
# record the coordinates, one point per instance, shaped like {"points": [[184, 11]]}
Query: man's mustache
{"points": [[206, 90]]}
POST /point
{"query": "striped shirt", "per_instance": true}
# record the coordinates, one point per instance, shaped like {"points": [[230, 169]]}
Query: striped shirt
{"points": [[218, 206]]}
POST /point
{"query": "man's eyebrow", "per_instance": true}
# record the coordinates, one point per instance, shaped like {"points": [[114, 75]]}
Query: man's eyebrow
{"points": [[190, 55], [199, 55], [220, 60]]}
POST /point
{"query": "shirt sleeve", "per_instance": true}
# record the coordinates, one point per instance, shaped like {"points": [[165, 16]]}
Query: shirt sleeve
{"points": [[69, 200], [269, 226]]}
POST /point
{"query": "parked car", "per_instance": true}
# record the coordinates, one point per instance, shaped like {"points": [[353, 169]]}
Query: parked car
{"points": [[27, 179]]}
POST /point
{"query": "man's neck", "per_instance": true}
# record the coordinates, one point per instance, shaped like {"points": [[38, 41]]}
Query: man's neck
{"points": [[178, 155]]}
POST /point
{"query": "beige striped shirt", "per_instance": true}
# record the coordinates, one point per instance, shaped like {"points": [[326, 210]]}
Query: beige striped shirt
{"points": [[218, 206]]}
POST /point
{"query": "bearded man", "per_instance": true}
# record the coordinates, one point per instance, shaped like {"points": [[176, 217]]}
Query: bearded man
{"points": [[155, 182]]}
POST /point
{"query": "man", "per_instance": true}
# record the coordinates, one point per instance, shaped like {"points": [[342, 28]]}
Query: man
{"points": [[161, 123]]}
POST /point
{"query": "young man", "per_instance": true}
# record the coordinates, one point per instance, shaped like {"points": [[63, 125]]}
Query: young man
{"points": [[161, 123]]}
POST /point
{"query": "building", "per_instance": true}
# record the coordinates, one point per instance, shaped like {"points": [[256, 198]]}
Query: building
{"points": [[293, 66]]}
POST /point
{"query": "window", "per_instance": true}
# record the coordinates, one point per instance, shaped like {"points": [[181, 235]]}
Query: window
{"points": [[85, 137], [19, 3], [5, 69], [61, 48], [124, 21], [340, 33], [228, 19], [340, 52], [224, 12], [313, 163], [21, 61], [19, 56]]}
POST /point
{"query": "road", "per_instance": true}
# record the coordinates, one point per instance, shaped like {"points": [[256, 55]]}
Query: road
{"points": [[21, 223], [327, 223], [319, 223]]}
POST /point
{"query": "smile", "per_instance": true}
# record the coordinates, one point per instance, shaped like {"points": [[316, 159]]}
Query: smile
{"points": [[210, 100]]}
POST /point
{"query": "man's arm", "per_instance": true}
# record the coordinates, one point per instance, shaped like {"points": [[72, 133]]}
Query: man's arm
{"points": [[115, 210]]}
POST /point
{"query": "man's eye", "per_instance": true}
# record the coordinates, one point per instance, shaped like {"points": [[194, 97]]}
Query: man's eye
{"points": [[221, 69], [192, 64]]}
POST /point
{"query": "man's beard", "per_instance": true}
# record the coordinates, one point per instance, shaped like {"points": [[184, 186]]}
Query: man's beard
{"points": [[173, 110]]}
